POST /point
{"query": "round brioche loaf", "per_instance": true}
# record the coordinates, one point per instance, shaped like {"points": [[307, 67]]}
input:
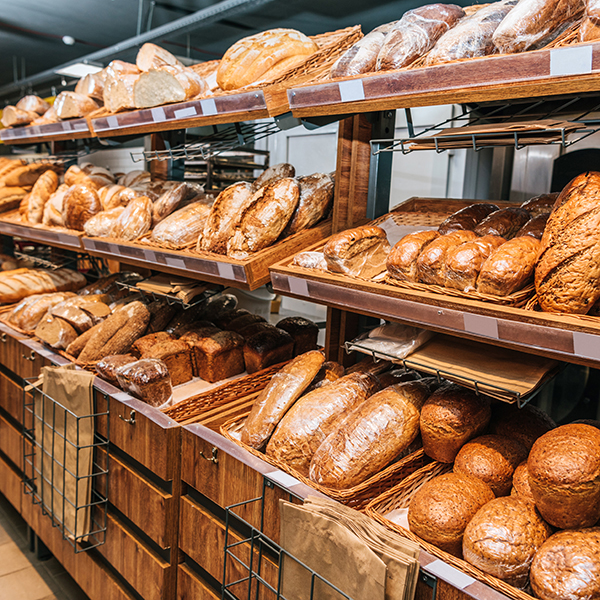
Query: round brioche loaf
{"points": [[525, 424], [450, 417], [564, 475], [442, 508], [566, 567], [503, 537], [493, 459], [521, 487]]}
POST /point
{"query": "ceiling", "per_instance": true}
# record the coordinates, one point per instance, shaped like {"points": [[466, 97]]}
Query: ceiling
{"points": [[31, 31]]}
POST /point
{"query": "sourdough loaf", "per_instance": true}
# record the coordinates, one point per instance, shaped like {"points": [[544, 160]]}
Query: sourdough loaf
{"points": [[401, 262], [102, 223], [91, 85], [273, 173], [134, 221], [165, 85], [80, 203], [534, 227], [150, 56], [182, 227], [316, 196], [13, 116], [540, 205]]}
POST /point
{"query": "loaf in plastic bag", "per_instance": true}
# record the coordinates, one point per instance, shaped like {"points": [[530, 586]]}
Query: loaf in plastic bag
{"points": [[101, 225], [274, 401], [313, 417], [168, 202], [371, 437], [401, 263], [472, 36], [147, 379], [115, 195], [183, 227], [431, 261], [416, 33], [393, 340], [310, 260], [107, 367], [316, 196], [135, 220], [534, 23]]}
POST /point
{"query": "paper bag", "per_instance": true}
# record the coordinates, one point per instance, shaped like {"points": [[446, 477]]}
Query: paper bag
{"points": [[333, 552], [64, 451]]}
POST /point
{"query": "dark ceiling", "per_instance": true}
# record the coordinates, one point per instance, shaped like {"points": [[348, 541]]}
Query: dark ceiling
{"points": [[31, 31]]}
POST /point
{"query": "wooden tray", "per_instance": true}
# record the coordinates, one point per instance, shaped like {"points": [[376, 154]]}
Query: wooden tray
{"points": [[11, 225], [249, 273], [73, 129]]}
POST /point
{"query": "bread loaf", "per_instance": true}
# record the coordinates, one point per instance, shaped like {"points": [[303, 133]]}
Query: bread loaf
{"points": [[431, 261], [70, 105], [29, 318], [183, 227], [567, 275], [80, 203], [134, 221], [564, 475], [534, 227], [55, 332], [177, 356], [310, 420], [217, 355], [440, 510], [540, 205], [102, 223], [267, 347], [450, 417], [148, 380], [263, 56], [27, 174], [493, 459], [534, 23], [359, 252], [273, 173], [504, 223], [13, 116], [165, 85], [53, 209], [91, 85], [113, 196], [589, 31], [276, 399], [99, 175], [81, 313], [566, 567], [264, 218], [467, 218], [503, 537], [143, 345], [119, 91], [225, 214], [208, 71], [33, 103], [15, 287], [168, 202], [316, 196], [48, 117], [362, 57], [416, 33], [107, 367], [370, 437], [150, 56], [401, 262], [303, 331], [525, 424], [43, 188], [521, 488], [472, 36]]}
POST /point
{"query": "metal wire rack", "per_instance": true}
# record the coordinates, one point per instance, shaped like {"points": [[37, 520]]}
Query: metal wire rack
{"points": [[503, 114], [170, 298], [227, 138], [61, 466], [51, 258]]}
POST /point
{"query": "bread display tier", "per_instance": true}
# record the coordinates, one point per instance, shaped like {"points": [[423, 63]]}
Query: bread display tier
{"points": [[74, 129], [52, 236]]}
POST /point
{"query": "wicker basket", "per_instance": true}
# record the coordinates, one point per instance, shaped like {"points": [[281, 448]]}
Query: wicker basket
{"points": [[400, 496], [357, 497]]}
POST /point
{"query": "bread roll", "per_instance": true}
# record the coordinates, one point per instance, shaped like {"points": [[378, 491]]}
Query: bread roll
{"points": [[450, 417], [564, 475], [370, 437], [276, 399], [262, 56], [70, 105], [521, 488], [440, 510], [566, 567], [273, 173], [80, 203], [493, 459], [525, 424], [504, 223], [401, 262], [316, 196], [134, 221], [503, 537], [33, 103], [165, 85]]}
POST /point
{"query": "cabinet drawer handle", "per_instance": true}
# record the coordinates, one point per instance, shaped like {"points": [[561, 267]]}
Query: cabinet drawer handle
{"points": [[212, 458], [31, 357], [131, 419], [3, 337]]}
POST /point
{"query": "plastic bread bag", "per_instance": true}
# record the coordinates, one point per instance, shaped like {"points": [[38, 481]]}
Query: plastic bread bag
{"points": [[101, 224], [182, 227], [534, 23], [135, 220], [148, 380], [392, 340], [168, 202], [310, 260], [472, 36], [369, 438], [590, 28], [416, 33]]}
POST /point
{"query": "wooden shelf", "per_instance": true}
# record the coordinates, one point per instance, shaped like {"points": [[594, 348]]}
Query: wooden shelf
{"points": [[75, 129], [573, 69], [60, 238]]}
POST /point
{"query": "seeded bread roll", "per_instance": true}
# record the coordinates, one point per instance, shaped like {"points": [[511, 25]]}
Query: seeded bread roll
{"points": [[450, 417], [504, 223], [107, 367], [503, 537], [493, 459], [441, 509], [564, 475], [521, 487], [525, 424], [566, 567], [401, 262]]}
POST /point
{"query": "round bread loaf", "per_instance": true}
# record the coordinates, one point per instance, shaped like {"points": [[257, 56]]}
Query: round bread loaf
{"points": [[441, 509], [520, 482], [450, 417], [564, 475], [503, 537], [525, 424], [566, 567], [493, 459]]}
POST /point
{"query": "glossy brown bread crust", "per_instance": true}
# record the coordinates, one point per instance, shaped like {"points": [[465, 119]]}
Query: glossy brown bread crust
{"points": [[275, 400], [520, 482], [504, 223], [267, 347], [349, 243], [107, 367], [330, 371], [401, 262], [540, 205], [304, 332], [564, 475], [218, 355], [503, 537], [534, 227], [441, 509]]}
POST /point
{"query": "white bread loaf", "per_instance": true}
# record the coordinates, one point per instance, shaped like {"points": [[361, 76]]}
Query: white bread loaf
{"points": [[33, 104], [118, 91], [13, 116], [92, 85], [48, 117], [165, 85], [70, 105], [151, 56], [53, 208]]}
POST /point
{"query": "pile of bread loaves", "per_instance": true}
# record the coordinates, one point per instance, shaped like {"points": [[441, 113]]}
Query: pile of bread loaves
{"points": [[440, 33], [508, 489]]}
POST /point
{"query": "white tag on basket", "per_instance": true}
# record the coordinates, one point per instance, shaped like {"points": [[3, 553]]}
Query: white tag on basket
{"points": [[571, 61], [586, 344], [351, 90], [481, 325], [448, 573], [282, 478]]}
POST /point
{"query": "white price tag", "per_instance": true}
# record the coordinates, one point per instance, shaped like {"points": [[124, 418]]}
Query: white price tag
{"points": [[351, 90], [149, 255], [225, 270], [66, 126], [586, 344], [282, 479], [122, 396], [448, 573], [486, 326], [80, 126], [158, 114], [185, 112], [571, 61], [175, 262], [209, 107], [112, 121], [298, 286]]}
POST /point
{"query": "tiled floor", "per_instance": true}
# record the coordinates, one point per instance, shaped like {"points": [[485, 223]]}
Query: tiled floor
{"points": [[22, 575]]}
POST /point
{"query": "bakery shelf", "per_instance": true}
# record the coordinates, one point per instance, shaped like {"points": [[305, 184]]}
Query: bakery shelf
{"points": [[568, 70], [57, 236], [249, 273], [74, 129]]}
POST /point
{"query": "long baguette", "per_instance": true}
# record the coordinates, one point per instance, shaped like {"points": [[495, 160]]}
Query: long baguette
{"points": [[77, 345]]}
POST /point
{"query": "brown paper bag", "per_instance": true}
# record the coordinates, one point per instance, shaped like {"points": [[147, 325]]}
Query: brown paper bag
{"points": [[64, 451], [330, 550]]}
